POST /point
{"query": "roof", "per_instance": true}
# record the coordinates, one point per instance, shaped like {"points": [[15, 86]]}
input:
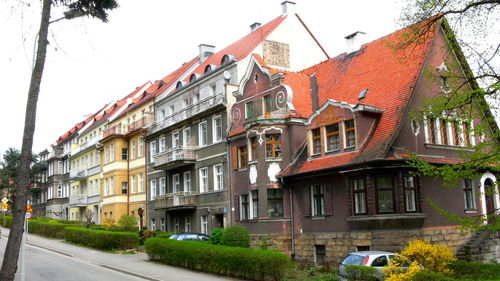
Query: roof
{"points": [[389, 74]]}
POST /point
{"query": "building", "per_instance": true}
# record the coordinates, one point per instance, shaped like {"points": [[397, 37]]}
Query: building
{"points": [[189, 168], [319, 156]]}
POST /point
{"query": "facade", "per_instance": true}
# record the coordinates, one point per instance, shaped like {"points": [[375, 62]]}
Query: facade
{"points": [[322, 172], [189, 169]]}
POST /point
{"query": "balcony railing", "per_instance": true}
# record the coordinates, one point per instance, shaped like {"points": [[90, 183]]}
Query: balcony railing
{"points": [[179, 154], [77, 200], [88, 144], [78, 174], [115, 130], [179, 199], [187, 112], [94, 170], [141, 123]]}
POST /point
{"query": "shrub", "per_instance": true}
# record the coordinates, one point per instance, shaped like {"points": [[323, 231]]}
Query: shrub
{"points": [[128, 223], [165, 235], [100, 239], [475, 270], [107, 222], [49, 228], [216, 236], [6, 221], [231, 261], [430, 276], [360, 273], [236, 236]]}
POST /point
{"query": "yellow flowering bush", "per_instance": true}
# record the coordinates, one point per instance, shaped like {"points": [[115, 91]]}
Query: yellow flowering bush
{"points": [[107, 223], [418, 256]]}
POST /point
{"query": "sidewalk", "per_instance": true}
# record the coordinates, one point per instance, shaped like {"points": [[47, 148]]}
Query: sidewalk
{"points": [[132, 264]]}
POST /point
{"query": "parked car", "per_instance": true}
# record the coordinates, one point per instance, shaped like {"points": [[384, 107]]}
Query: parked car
{"points": [[376, 259], [190, 237]]}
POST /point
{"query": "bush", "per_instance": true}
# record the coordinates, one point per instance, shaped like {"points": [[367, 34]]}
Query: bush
{"points": [[216, 236], [100, 239], [128, 223], [47, 228], [430, 276], [231, 261], [165, 235], [475, 270], [236, 236], [7, 220]]}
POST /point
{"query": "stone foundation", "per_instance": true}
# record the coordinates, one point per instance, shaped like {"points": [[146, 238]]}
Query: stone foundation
{"points": [[339, 244]]}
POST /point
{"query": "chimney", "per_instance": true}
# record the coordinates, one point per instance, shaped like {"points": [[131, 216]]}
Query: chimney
{"points": [[206, 51], [314, 92], [288, 7], [254, 26], [354, 41]]}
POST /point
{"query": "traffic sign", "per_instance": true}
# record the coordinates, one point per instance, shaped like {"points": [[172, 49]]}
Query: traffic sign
{"points": [[28, 215], [5, 207], [5, 200], [28, 208]]}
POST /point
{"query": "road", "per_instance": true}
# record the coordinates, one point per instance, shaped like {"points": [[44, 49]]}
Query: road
{"points": [[55, 260]]}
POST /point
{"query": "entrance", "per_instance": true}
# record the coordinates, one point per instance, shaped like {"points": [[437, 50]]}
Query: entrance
{"points": [[219, 220], [489, 192]]}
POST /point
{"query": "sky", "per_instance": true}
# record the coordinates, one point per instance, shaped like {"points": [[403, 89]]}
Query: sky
{"points": [[90, 63]]}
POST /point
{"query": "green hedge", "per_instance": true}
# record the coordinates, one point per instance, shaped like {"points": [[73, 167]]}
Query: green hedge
{"points": [[236, 236], [231, 261], [475, 270], [8, 221], [165, 235], [48, 229], [100, 239]]}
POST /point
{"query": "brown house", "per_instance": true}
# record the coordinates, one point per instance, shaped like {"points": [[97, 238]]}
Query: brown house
{"points": [[319, 156]]}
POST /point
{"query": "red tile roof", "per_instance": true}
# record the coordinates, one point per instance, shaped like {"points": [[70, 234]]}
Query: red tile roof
{"points": [[389, 75]]}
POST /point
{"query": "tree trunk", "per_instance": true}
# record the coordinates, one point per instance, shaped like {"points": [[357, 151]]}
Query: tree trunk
{"points": [[9, 265]]}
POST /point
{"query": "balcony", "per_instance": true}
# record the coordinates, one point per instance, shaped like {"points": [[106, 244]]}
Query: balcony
{"points": [[187, 112], [78, 174], [77, 200], [116, 130], [175, 158], [94, 170], [139, 124], [88, 144], [179, 200]]}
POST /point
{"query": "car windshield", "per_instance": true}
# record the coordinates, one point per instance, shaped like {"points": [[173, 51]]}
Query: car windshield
{"points": [[353, 259], [174, 236]]}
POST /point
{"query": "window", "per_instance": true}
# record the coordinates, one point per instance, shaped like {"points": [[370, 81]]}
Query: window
{"points": [[465, 132], [218, 180], [152, 150], [359, 191], [244, 207], [175, 139], [249, 111], [176, 185], [254, 194], [141, 183], [350, 133], [469, 196], [141, 148], [152, 184], [186, 137], [124, 187], [242, 157], [202, 134], [217, 128], [410, 193], [385, 198], [318, 200], [153, 224], [59, 191], [267, 105], [163, 144], [177, 225], [275, 203], [112, 152], [316, 140], [162, 224], [204, 224], [204, 179], [332, 137], [187, 181], [319, 254], [380, 261], [253, 147], [163, 186], [273, 145], [133, 182], [187, 224], [124, 154], [133, 150]]}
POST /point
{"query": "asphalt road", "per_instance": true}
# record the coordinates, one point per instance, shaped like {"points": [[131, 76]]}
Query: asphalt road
{"points": [[55, 260], [45, 265]]}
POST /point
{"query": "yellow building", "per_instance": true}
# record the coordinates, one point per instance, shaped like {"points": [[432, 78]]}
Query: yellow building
{"points": [[123, 164]]}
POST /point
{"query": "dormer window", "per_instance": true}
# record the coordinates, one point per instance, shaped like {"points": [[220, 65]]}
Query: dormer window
{"points": [[350, 133], [333, 137], [192, 77], [226, 59], [209, 67], [179, 85]]}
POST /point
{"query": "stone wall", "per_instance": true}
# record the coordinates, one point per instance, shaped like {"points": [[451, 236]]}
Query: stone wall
{"points": [[339, 244]]}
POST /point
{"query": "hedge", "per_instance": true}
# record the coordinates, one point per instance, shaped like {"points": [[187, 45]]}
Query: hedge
{"points": [[101, 239], [8, 221], [165, 235], [237, 262], [475, 270], [48, 229]]}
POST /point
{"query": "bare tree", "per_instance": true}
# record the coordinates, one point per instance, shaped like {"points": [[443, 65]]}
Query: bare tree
{"points": [[92, 8]]}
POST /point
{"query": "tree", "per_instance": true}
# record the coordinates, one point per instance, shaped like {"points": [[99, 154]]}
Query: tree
{"points": [[91, 8], [471, 84]]}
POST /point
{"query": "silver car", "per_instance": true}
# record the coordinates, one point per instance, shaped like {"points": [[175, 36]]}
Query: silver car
{"points": [[376, 259]]}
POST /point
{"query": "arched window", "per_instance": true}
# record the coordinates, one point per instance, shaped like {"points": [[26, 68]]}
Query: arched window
{"points": [[209, 67], [179, 85], [226, 59], [193, 77]]}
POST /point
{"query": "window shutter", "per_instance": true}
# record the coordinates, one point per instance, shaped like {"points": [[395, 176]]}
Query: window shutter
{"points": [[328, 200], [308, 204], [236, 204], [234, 157]]}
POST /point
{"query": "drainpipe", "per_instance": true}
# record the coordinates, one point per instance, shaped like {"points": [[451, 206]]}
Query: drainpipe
{"points": [[229, 172], [292, 220], [128, 175]]}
